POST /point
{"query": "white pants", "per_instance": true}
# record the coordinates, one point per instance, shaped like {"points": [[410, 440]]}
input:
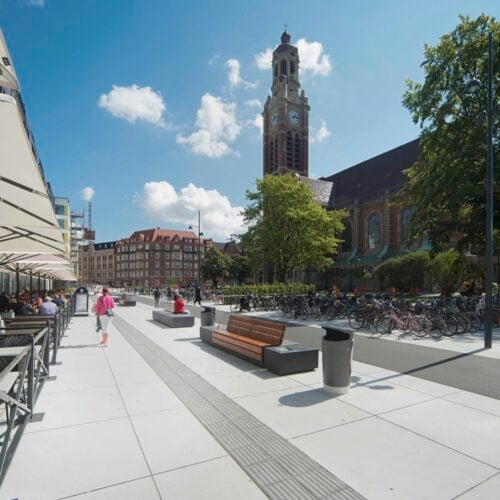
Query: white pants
{"points": [[105, 322]]}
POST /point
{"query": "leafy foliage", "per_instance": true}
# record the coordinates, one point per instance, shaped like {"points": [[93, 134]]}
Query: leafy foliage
{"points": [[239, 268], [287, 228], [215, 265], [447, 183], [405, 272], [278, 288]]}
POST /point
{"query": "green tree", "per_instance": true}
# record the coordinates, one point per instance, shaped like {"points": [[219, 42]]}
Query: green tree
{"points": [[405, 272], [215, 265], [449, 270], [447, 183], [287, 228], [239, 268]]}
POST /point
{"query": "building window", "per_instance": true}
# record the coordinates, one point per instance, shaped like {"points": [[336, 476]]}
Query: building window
{"points": [[283, 68], [275, 71], [59, 209], [405, 226], [374, 231], [292, 67]]}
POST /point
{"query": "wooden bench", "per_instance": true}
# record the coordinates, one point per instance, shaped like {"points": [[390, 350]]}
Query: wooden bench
{"points": [[247, 336]]}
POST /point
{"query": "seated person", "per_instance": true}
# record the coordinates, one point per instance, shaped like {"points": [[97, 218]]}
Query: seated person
{"points": [[179, 305], [22, 309], [58, 301], [48, 308]]}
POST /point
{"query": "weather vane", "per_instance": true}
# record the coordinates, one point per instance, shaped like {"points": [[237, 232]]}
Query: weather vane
{"points": [[286, 26]]}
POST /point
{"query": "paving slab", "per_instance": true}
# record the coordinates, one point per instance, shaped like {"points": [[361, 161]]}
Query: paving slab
{"points": [[173, 439], [220, 479], [72, 460], [144, 488], [382, 461], [469, 431]]}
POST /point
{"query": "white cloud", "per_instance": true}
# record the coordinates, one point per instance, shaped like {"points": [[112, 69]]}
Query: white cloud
{"points": [[234, 75], [217, 128], [254, 103], [36, 3], [321, 134], [87, 193], [264, 59], [312, 58], [135, 103], [212, 60], [257, 122], [311, 55], [219, 219]]}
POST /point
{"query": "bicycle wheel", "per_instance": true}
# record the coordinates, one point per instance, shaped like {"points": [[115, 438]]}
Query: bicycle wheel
{"points": [[451, 325], [419, 326], [438, 327], [356, 320], [384, 325]]}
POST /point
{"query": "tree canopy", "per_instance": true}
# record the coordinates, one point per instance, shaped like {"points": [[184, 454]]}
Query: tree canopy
{"points": [[215, 265], [287, 229], [447, 184]]}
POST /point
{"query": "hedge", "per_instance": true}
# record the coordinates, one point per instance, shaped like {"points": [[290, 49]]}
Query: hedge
{"points": [[280, 288]]}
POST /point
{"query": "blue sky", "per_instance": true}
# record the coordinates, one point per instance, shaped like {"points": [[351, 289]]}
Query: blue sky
{"points": [[135, 99]]}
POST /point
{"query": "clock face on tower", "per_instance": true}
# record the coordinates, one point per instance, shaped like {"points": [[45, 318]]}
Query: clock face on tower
{"points": [[274, 119], [293, 117]]}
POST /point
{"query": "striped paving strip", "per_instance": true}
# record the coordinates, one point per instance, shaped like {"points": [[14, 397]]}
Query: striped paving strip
{"points": [[280, 469]]}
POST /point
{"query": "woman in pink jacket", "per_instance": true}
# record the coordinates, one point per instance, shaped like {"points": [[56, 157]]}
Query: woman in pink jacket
{"points": [[104, 306]]}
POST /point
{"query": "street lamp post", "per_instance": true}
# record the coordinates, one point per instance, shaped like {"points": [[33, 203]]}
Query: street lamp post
{"points": [[200, 234], [472, 87]]}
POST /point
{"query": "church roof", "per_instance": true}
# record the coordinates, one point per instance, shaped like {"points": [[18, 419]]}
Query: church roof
{"points": [[374, 177], [322, 189]]}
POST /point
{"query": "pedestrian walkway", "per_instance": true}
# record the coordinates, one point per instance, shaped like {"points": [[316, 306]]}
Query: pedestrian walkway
{"points": [[160, 414]]}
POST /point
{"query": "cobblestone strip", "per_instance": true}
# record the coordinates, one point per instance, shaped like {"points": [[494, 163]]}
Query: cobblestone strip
{"points": [[280, 469]]}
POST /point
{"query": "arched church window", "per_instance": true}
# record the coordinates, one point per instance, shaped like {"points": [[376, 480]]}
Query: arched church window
{"points": [[276, 71], [374, 231], [283, 68], [346, 245], [405, 225], [292, 68]]}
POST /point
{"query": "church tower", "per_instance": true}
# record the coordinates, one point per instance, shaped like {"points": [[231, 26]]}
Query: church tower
{"points": [[286, 115]]}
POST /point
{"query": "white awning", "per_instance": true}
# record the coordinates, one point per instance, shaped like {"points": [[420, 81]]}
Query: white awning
{"points": [[27, 220]]}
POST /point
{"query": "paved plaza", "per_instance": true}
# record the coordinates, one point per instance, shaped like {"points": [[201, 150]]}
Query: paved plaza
{"points": [[159, 414]]}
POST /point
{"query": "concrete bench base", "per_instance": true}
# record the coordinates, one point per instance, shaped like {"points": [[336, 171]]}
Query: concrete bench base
{"points": [[127, 303], [290, 358], [173, 320]]}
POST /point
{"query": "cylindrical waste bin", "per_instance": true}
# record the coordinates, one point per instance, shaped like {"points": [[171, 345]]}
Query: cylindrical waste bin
{"points": [[337, 347], [207, 316]]}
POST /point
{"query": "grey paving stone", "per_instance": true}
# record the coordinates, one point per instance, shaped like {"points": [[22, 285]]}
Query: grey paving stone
{"points": [[277, 466]]}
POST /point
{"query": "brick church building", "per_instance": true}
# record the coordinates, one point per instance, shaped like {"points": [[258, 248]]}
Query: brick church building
{"points": [[375, 229]]}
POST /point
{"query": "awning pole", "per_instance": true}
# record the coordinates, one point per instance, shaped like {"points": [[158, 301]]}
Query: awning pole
{"points": [[17, 282]]}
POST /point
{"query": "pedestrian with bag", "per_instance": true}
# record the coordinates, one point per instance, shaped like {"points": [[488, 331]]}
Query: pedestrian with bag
{"points": [[104, 306]]}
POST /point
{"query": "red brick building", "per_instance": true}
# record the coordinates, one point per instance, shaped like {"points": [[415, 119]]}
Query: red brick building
{"points": [[158, 258], [376, 229]]}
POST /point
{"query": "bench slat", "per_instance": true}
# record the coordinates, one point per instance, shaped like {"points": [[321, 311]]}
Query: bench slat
{"points": [[245, 352], [238, 342]]}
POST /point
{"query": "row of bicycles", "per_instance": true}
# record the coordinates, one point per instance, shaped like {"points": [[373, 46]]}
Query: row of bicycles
{"points": [[434, 318]]}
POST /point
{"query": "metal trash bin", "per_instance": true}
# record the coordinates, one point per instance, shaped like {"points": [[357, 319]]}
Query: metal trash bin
{"points": [[207, 316], [337, 347], [81, 302]]}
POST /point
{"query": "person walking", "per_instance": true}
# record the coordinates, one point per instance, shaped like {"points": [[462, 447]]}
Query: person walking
{"points": [[104, 306], [157, 296], [197, 295]]}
